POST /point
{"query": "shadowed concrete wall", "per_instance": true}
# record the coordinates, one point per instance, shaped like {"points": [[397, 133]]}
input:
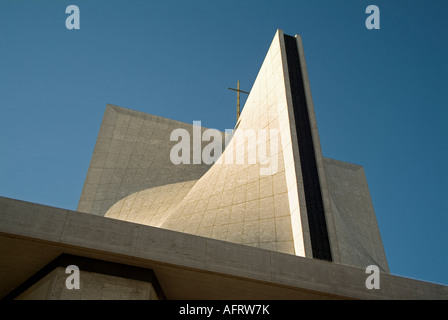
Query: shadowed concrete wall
{"points": [[357, 230], [93, 286]]}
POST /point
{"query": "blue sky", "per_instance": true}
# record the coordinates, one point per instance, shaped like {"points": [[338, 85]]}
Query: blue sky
{"points": [[380, 95]]}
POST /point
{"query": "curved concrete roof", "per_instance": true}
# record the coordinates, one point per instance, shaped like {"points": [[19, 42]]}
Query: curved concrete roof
{"points": [[254, 194]]}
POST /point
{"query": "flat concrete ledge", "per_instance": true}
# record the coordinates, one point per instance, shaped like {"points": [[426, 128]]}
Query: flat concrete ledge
{"points": [[238, 260], [170, 247], [187, 266], [100, 233], [28, 219], [306, 273]]}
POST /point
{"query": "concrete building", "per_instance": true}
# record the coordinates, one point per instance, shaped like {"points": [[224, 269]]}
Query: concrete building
{"points": [[270, 218]]}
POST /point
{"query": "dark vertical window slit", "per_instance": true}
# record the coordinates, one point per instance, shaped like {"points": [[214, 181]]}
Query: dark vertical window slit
{"points": [[313, 197]]}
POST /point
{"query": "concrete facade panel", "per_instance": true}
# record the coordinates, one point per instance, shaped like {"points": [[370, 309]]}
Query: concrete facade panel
{"points": [[357, 231]]}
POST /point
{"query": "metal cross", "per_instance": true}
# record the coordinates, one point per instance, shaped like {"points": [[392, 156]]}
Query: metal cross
{"points": [[238, 99]]}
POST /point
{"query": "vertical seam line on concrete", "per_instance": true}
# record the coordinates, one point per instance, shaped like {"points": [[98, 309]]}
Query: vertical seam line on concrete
{"points": [[63, 226]]}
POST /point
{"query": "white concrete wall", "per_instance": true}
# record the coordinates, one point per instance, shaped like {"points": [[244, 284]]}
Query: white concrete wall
{"points": [[130, 176]]}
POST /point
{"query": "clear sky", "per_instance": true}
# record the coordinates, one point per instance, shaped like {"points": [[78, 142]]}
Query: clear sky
{"points": [[380, 95]]}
